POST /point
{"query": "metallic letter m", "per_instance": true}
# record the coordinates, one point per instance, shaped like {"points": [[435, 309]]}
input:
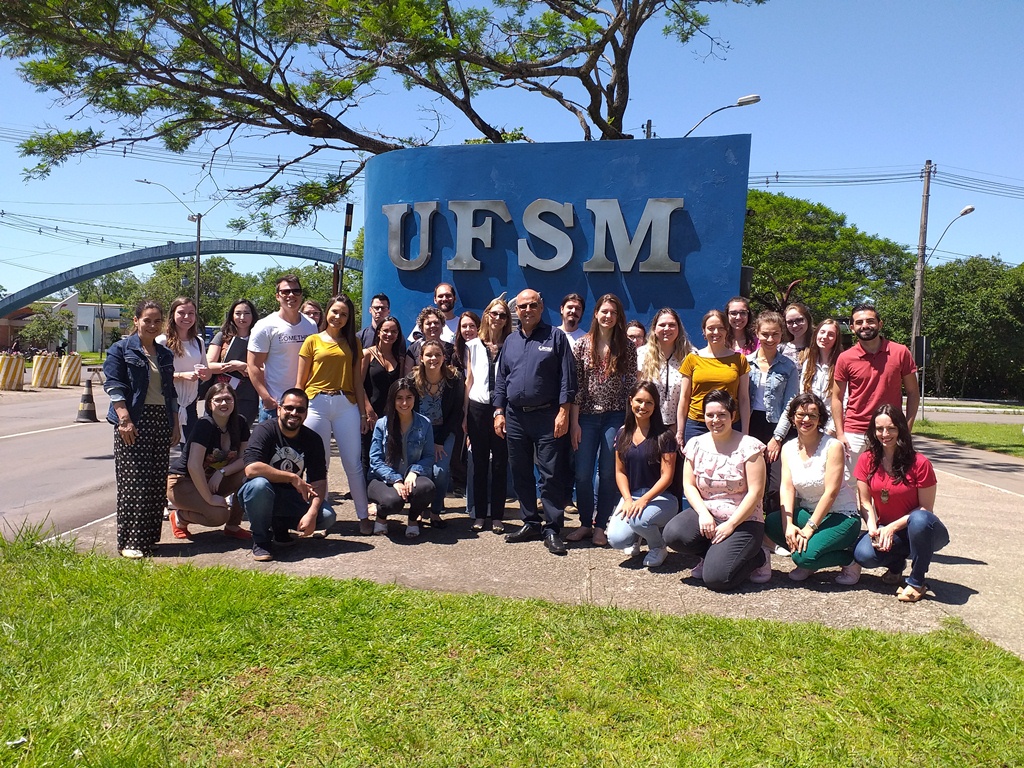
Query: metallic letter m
{"points": [[608, 221]]}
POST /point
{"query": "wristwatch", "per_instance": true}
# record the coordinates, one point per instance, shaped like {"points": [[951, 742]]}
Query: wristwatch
{"points": [[499, 411]]}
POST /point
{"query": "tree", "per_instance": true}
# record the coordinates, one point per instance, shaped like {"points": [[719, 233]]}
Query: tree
{"points": [[48, 325], [838, 266], [973, 313], [196, 71]]}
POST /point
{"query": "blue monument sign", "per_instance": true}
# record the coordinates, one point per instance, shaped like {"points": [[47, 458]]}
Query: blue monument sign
{"points": [[657, 222]]}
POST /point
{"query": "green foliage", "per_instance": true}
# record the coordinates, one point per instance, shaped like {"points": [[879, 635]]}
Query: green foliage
{"points": [[973, 316], [192, 71], [787, 239], [48, 325], [148, 665]]}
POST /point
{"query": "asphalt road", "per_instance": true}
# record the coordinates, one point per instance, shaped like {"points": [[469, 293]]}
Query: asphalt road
{"points": [[53, 472]]}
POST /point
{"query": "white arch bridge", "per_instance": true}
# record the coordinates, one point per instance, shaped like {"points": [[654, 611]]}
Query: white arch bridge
{"points": [[170, 251]]}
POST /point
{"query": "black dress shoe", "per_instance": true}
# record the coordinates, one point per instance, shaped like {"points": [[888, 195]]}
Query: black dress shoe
{"points": [[526, 533], [553, 543]]}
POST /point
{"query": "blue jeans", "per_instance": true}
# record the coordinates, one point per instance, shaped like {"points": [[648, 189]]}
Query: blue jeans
{"points": [[267, 414], [647, 525], [923, 537], [442, 475], [597, 444], [275, 508], [693, 428]]}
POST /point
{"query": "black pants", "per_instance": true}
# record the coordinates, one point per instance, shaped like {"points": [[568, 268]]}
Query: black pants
{"points": [[490, 458], [728, 563], [763, 430], [527, 433], [389, 502]]}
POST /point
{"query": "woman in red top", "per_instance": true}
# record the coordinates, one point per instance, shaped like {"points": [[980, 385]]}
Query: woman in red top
{"points": [[897, 488]]}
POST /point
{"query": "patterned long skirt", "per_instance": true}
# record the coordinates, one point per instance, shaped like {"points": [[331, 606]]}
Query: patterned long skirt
{"points": [[141, 472]]}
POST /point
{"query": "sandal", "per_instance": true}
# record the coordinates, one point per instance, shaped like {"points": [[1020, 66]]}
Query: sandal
{"points": [[478, 524], [179, 531], [911, 594], [498, 527], [238, 532]]}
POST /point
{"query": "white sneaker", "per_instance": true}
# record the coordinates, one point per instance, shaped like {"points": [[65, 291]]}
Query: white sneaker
{"points": [[697, 571], [781, 551], [763, 574], [412, 531], [849, 575], [632, 550], [655, 557], [379, 528], [132, 554]]}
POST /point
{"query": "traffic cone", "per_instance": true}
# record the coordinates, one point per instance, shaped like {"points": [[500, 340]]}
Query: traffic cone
{"points": [[87, 406]]}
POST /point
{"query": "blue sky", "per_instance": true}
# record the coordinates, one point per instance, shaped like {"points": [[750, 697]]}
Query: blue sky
{"points": [[848, 89]]}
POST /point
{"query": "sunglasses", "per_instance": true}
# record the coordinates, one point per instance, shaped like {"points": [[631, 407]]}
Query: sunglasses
{"points": [[289, 292], [528, 305], [498, 315]]}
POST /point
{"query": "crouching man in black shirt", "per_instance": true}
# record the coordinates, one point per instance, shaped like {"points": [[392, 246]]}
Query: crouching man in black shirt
{"points": [[275, 495]]}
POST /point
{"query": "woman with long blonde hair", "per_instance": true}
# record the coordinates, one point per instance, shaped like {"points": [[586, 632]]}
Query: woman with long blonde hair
{"points": [[181, 336], [659, 359]]}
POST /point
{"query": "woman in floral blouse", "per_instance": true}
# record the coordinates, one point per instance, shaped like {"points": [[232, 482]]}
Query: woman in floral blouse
{"points": [[606, 374]]}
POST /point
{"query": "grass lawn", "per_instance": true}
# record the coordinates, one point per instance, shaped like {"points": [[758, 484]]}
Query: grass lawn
{"points": [[1002, 438], [116, 663]]}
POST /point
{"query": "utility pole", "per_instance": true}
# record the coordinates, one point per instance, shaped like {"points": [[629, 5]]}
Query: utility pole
{"points": [[922, 247], [648, 132]]}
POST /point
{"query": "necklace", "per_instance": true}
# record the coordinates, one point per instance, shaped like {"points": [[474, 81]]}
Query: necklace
{"points": [[434, 390]]}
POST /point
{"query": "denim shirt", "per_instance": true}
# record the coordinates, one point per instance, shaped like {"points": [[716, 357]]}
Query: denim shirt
{"points": [[127, 377], [781, 384], [417, 451]]}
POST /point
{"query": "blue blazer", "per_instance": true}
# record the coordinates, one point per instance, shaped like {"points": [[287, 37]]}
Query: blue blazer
{"points": [[127, 377]]}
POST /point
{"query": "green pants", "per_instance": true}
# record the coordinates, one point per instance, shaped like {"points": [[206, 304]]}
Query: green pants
{"points": [[831, 545]]}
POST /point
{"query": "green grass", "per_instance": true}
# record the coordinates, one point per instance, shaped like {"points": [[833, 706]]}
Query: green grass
{"points": [[1001, 438], [115, 663]]}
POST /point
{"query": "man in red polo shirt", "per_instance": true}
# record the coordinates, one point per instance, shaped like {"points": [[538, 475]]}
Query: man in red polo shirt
{"points": [[872, 372]]}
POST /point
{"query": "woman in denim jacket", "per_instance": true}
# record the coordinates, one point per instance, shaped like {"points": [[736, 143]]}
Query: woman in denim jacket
{"points": [[401, 459], [144, 410], [774, 381]]}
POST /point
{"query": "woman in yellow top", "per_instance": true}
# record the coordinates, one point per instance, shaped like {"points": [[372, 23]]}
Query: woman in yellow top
{"points": [[329, 365], [716, 366]]}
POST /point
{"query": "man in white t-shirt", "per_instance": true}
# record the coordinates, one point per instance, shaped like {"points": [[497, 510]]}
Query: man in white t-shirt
{"points": [[572, 309], [274, 345]]}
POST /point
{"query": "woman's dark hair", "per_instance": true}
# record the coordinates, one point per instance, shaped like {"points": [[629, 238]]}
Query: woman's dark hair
{"points": [[804, 399], [145, 304], [655, 444], [234, 431], [171, 330], [749, 331], [771, 317], [619, 343], [398, 348], [393, 445], [903, 459], [722, 397], [460, 343], [348, 333], [229, 330], [804, 310]]}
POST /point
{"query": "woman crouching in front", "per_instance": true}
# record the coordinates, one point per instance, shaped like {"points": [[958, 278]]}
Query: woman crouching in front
{"points": [[896, 485], [401, 459], [210, 469], [723, 480]]}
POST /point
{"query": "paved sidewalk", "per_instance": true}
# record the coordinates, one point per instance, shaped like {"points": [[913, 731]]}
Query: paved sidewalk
{"points": [[977, 577]]}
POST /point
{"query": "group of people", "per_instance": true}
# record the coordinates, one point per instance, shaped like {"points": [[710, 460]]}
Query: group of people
{"points": [[767, 440]]}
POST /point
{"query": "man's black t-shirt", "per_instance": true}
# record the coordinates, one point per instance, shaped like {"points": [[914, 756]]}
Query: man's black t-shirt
{"points": [[302, 453]]}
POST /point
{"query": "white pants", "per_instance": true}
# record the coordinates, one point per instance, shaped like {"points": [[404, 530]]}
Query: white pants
{"points": [[334, 413]]}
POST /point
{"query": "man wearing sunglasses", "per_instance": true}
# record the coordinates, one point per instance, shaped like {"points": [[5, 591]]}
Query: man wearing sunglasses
{"points": [[535, 384], [274, 344], [286, 479]]}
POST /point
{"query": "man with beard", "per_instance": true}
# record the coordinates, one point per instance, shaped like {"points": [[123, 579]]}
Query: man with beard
{"points": [[275, 495], [873, 372], [571, 311], [444, 300]]}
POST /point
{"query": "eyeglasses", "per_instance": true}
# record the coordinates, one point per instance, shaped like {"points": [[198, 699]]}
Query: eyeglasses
{"points": [[800, 416], [222, 400], [498, 315], [293, 409], [796, 321], [289, 291], [738, 313], [528, 305]]}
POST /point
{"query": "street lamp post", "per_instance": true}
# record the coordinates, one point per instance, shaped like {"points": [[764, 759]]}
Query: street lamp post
{"points": [[743, 101], [197, 219]]}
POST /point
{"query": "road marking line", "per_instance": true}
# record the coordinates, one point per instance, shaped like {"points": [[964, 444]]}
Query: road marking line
{"points": [[972, 480], [79, 528], [40, 431]]}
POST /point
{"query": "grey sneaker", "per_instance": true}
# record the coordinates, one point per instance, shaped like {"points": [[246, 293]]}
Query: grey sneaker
{"points": [[655, 557], [261, 554]]}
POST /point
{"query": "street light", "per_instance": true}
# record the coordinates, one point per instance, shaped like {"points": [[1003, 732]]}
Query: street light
{"points": [[743, 101], [922, 260], [197, 218]]}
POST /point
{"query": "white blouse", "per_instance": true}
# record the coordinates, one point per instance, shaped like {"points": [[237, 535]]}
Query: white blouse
{"points": [[809, 478], [669, 384]]}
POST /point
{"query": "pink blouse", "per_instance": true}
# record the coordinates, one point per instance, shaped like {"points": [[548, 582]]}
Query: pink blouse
{"points": [[721, 478]]}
